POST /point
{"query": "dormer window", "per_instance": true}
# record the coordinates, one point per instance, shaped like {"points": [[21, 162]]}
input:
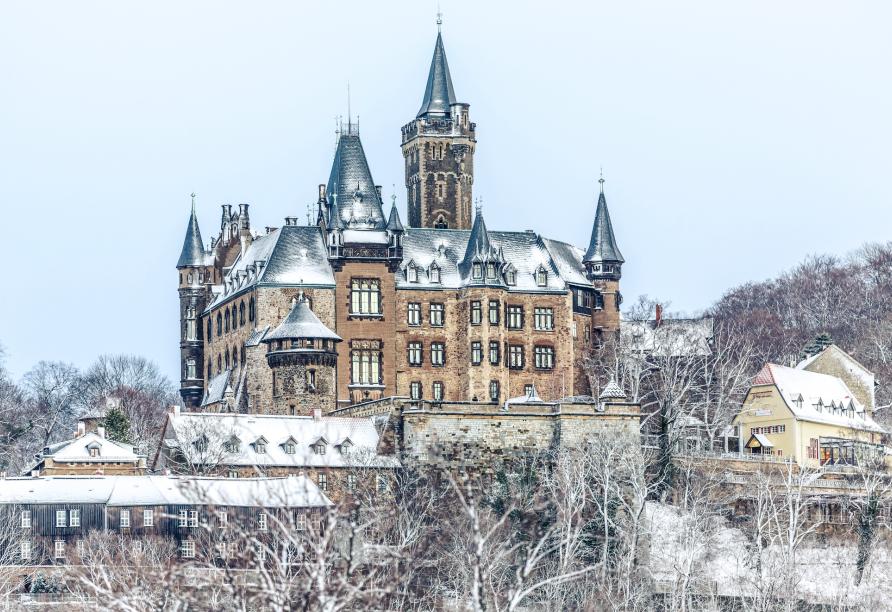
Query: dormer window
{"points": [[819, 406], [346, 445], [477, 271], [541, 277], [94, 451], [232, 446], [511, 277], [289, 447], [435, 274], [260, 446], [490, 270], [412, 274], [797, 401], [319, 447]]}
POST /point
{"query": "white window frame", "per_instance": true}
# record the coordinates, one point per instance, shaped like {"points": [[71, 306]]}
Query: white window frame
{"points": [[26, 519], [413, 314], [148, 518], [25, 550], [59, 549], [187, 549], [124, 519], [74, 518], [262, 521], [61, 518], [438, 354]]}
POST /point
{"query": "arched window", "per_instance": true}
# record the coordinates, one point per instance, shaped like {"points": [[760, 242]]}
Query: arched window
{"points": [[241, 314], [243, 355], [219, 324], [235, 360], [441, 223], [209, 369], [251, 310], [227, 361], [226, 321], [219, 363], [210, 329]]}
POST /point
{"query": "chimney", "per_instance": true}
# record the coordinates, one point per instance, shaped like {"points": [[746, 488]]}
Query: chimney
{"points": [[317, 414], [322, 192], [100, 431], [658, 315], [35, 473], [81, 428], [244, 219], [270, 230]]}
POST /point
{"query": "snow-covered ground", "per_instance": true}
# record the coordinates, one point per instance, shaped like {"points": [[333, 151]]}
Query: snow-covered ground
{"points": [[719, 559]]}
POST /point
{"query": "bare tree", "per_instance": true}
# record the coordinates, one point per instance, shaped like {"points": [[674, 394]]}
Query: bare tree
{"points": [[54, 390]]}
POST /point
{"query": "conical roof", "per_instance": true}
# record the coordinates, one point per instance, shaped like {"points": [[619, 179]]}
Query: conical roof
{"points": [[354, 202], [480, 248], [602, 246], [193, 248], [612, 391], [301, 322], [438, 95], [393, 222]]}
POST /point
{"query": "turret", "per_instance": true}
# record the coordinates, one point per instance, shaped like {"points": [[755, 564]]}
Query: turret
{"points": [[482, 264], [395, 232], [354, 201], [438, 149], [195, 271], [603, 263], [302, 354]]}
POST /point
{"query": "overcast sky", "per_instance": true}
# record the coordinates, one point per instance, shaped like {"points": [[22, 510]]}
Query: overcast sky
{"points": [[736, 138]]}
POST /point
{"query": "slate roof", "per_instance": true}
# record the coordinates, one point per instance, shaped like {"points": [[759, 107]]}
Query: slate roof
{"points": [[193, 253], [288, 492], [216, 388], [185, 427], [293, 255], [819, 394], [602, 245], [356, 205], [393, 221], [612, 391], [301, 322], [438, 94]]}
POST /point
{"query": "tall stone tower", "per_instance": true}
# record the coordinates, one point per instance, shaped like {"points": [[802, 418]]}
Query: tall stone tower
{"points": [[603, 264], [302, 354], [438, 148], [195, 269]]}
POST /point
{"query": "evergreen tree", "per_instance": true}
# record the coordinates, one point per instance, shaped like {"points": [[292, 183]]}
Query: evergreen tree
{"points": [[117, 426], [821, 341]]}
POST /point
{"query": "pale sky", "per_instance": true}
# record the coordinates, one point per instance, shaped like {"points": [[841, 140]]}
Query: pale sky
{"points": [[736, 138]]}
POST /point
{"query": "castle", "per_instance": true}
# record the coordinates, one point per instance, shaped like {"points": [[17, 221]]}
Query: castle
{"points": [[360, 307]]}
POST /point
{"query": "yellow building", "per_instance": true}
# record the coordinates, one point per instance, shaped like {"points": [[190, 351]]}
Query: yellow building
{"points": [[812, 417]]}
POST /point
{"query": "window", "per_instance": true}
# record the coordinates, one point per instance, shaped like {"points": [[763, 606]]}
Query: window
{"points": [[251, 309], [219, 324], [380, 483], [527, 389], [476, 313], [136, 547], [541, 277], [515, 317], [80, 547], [193, 518], [322, 481], [191, 327], [365, 296], [26, 519], [412, 274], [476, 353], [351, 482], [438, 353], [289, 448], [25, 550], [210, 329], [94, 451], [366, 368], [124, 519], [494, 308], [241, 313], [226, 321], [436, 314], [319, 448], [477, 271], [222, 519], [187, 549], [415, 355], [415, 390], [515, 357], [262, 521], [191, 372], [510, 278], [59, 552], [232, 474], [438, 391], [544, 357], [414, 314], [435, 271], [232, 446], [494, 353], [61, 518], [183, 518], [74, 518], [310, 376], [543, 319], [260, 447], [300, 523], [493, 390], [148, 518]]}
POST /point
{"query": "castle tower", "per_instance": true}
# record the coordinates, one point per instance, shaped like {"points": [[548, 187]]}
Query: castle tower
{"points": [[194, 267], [603, 264], [302, 354], [438, 148]]}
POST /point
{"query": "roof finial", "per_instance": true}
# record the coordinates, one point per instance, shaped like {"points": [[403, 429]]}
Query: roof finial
{"points": [[349, 116], [601, 180], [393, 196], [193, 202], [478, 205], [439, 18]]}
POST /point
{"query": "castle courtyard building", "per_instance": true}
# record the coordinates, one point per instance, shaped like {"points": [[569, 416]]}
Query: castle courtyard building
{"points": [[440, 309]]}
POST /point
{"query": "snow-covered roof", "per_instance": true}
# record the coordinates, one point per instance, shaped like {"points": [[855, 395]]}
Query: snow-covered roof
{"points": [[291, 491], [301, 322], [216, 388], [187, 427], [78, 450], [818, 398], [763, 441], [671, 337], [855, 369]]}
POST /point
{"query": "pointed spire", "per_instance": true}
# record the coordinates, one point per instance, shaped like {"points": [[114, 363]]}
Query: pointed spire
{"points": [[479, 243], [393, 222], [354, 200], [602, 246], [438, 95], [193, 248]]}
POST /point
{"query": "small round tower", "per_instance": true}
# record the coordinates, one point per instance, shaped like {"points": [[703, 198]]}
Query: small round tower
{"points": [[302, 354]]}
